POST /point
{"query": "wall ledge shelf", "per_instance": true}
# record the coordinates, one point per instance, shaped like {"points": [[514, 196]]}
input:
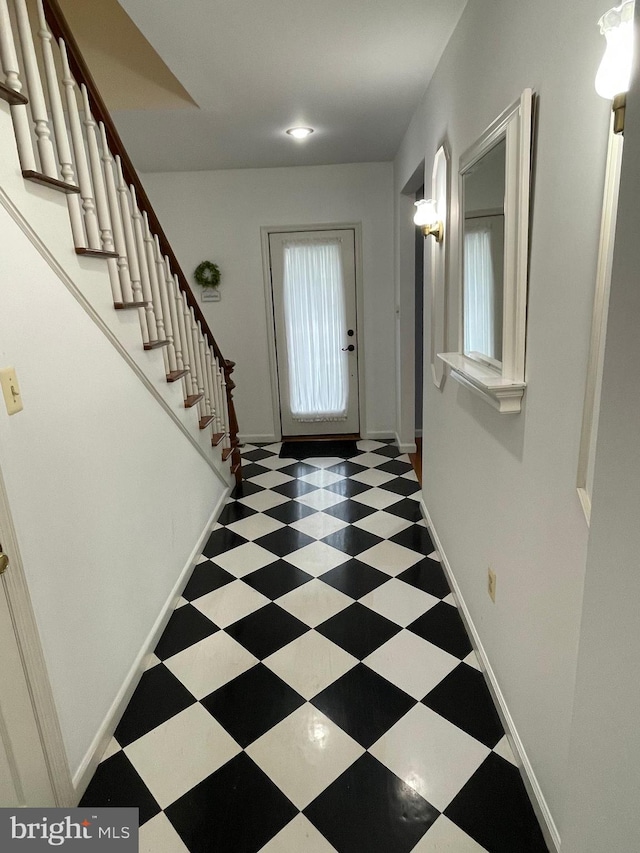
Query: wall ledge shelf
{"points": [[503, 394]]}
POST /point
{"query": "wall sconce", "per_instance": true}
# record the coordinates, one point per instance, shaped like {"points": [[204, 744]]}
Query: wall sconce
{"points": [[426, 217], [614, 73]]}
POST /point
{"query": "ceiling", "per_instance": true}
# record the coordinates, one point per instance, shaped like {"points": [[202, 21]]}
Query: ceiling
{"points": [[354, 70]]}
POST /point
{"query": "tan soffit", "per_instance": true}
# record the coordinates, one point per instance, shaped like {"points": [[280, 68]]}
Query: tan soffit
{"points": [[126, 68]]}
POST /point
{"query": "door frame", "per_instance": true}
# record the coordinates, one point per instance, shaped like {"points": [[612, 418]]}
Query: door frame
{"points": [[35, 669], [265, 231]]}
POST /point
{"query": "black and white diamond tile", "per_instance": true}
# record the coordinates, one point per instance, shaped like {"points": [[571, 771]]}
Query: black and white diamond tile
{"points": [[315, 690]]}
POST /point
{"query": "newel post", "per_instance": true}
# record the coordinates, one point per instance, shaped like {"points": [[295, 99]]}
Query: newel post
{"points": [[236, 463]]}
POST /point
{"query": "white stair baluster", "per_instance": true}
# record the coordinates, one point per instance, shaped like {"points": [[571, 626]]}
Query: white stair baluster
{"points": [[19, 113], [206, 370], [119, 242], [225, 408], [155, 287], [198, 362], [132, 254], [211, 360], [145, 281], [165, 301], [186, 355], [189, 338], [60, 131], [36, 92], [82, 167], [171, 295]]}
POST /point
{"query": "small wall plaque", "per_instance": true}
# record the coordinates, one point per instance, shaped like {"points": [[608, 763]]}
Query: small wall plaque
{"points": [[210, 295]]}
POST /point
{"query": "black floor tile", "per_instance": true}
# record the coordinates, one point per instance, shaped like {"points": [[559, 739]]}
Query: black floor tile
{"points": [[277, 579], [442, 626], [252, 704], [428, 576], [406, 508], [463, 698], [205, 578], [267, 630], [158, 696], [390, 450], [256, 455], [237, 809], [355, 578], [493, 808], [347, 469], [298, 469], [358, 630], [363, 704], [185, 627], [284, 541], [245, 488], [290, 512], [347, 488], [295, 488], [352, 540], [222, 540], [370, 810], [349, 511], [415, 537], [253, 469], [401, 486], [116, 783], [395, 467], [235, 512]]}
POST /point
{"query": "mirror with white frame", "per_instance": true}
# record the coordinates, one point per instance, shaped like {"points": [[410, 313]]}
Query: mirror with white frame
{"points": [[494, 186]]}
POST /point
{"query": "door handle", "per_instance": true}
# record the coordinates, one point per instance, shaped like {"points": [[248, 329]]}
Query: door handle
{"points": [[350, 348]]}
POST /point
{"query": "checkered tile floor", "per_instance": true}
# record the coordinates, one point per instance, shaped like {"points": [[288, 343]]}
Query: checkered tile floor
{"points": [[315, 690]]}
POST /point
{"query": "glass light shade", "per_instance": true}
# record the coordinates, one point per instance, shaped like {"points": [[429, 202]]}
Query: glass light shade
{"points": [[300, 132], [426, 213], [614, 72]]}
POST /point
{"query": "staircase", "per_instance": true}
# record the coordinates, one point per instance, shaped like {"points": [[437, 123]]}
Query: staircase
{"points": [[67, 141]]}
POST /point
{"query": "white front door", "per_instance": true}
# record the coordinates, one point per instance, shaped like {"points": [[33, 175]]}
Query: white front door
{"points": [[24, 776], [314, 300]]}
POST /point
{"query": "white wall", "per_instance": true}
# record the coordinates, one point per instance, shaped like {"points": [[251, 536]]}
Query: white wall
{"points": [[108, 496], [218, 215], [501, 489], [604, 767]]}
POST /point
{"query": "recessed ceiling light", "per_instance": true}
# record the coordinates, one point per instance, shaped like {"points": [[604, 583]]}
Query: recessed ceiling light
{"points": [[300, 132]]}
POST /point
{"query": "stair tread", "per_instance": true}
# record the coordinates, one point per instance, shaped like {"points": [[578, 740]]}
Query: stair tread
{"points": [[192, 400], [226, 453], [120, 306], [217, 437], [11, 96], [45, 180], [156, 345], [95, 253], [176, 374], [204, 422]]}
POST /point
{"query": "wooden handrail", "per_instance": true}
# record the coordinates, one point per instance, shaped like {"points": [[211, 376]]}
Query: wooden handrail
{"points": [[80, 70]]}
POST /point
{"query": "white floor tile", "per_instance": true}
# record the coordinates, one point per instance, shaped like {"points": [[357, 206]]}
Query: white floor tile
{"points": [[304, 753], [377, 498], [383, 524], [410, 475], [274, 462], [322, 478], [180, 603], [261, 501], [430, 754], [317, 558], [445, 837], [150, 661], [449, 599], [202, 559], [370, 460], [434, 555], [192, 744], [207, 665], [503, 748], [411, 663], [275, 448], [299, 836], [310, 663], [320, 499], [315, 602], [367, 444], [112, 747], [231, 602], [472, 660], [270, 479], [399, 602], [323, 461], [319, 525], [373, 477], [390, 557], [158, 836], [245, 558], [255, 526]]}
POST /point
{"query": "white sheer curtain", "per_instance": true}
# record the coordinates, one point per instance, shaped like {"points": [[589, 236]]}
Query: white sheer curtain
{"points": [[479, 334], [314, 309]]}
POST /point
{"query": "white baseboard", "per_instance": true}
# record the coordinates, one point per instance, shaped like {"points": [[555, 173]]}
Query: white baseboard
{"points": [[87, 768], [257, 439], [540, 806], [405, 447], [378, 435]]}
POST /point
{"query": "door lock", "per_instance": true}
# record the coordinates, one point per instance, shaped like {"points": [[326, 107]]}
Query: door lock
{"points": [[350, 348]]}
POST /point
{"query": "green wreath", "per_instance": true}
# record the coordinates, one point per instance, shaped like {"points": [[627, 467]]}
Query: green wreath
{"points": [[207, 274]]}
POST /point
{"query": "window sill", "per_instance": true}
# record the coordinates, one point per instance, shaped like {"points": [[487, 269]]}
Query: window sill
{"points": [[503, 394]]}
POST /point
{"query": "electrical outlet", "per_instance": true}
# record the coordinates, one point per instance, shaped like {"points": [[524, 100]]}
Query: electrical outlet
{"points": [[492, 584]]}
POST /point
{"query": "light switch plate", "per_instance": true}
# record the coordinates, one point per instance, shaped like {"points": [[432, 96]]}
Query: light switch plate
{"points": [[11, 390]]}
